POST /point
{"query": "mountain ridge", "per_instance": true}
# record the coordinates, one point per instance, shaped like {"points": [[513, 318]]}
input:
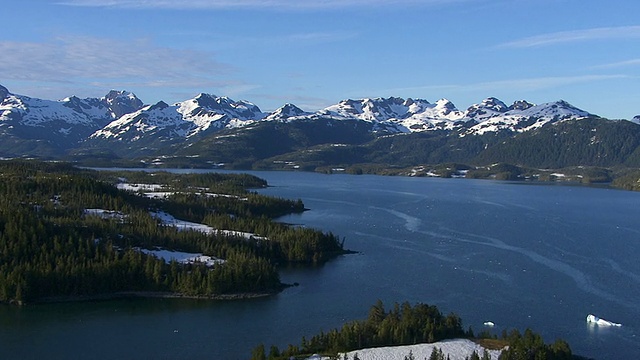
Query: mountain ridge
{"points": [[218, 129], [407, 115]]}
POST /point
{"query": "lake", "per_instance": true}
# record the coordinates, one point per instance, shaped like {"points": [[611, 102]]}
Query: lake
{"points": [[519, 255]]}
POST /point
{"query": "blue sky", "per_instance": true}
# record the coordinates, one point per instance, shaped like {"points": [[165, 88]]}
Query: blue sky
{"points": [[316, 53]]}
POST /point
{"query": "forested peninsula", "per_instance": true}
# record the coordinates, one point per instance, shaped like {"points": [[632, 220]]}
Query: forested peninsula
{"points": [[71, 234], [421, 323]]}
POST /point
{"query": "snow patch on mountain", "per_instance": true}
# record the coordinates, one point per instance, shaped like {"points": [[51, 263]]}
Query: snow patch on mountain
{"points": [[89, 112], [207, 110], [120, 115], [377, 109], [520, 117], [423, 116], [36, 112], [286, 112], [491, 115], [183, 119], [121, 103], [636, 119], [405, 115], [149, 119]]}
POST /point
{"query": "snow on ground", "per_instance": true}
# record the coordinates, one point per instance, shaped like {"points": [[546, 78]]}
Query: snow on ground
{"points": [[139, 187], [182, 257], [457, 349], [105, 214], [154, 191], [169, 220], [159, 194], [166, 255], [242, 234], [226, 196]]}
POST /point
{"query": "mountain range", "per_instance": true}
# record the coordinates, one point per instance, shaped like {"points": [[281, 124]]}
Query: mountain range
{"points": [[220, 129]]}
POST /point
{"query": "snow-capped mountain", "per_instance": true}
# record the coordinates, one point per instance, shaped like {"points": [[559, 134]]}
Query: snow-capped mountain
{"points": [[121, 118], [71, 118], [92, 112], [405, 115], [493, 115], [181, 120], [636, 119], [490, 115], [121, 103], [286, 112]]}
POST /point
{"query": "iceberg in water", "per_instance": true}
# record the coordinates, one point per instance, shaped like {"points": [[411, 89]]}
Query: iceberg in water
{"points": [[592, 319]]}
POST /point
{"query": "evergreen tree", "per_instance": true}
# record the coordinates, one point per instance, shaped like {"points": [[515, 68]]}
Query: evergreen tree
{"points": [[258, 353]]}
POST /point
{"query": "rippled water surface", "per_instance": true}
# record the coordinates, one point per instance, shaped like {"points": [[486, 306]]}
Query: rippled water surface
{"points": [[515, 254]]}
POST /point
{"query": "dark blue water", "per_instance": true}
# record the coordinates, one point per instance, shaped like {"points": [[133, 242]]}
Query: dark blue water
{"points": [[517, 255]]}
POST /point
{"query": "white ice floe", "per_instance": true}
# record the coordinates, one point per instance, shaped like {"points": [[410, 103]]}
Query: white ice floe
{"points": [[182, 257], [592, 319], [457, 349]]}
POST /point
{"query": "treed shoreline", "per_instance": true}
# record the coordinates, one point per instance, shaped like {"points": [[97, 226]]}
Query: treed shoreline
{"points": [[52, 247]]}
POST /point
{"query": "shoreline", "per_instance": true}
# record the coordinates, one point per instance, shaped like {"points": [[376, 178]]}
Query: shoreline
{"points": [[571, 180], [146, 295]]}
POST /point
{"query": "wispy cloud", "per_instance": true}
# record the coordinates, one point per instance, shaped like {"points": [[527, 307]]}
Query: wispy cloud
{"points": [[266, 4], [297, 39], [619, 64], [316, 37], [528, 84], [603, 33], [85, 60], [541, 83], [307, 103]]}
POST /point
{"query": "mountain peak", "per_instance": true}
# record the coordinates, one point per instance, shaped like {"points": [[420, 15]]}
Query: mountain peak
{"points": [[205, 96], [495, 104], [3, 92], [286, 111], [488, 108], [563, 107], [520, 105], [159, 105], [288, 107], [445, 104], [121, 103], [564, 104], [636, 119]]}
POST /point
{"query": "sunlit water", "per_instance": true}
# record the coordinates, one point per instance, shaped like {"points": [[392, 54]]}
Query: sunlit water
{"points": [[517, 255]]}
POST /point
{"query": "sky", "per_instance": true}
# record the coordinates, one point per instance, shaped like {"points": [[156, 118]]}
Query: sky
{"points": [[315, 53]]}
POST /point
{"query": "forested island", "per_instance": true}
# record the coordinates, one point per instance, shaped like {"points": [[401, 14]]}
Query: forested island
{"points": [[406, 324], [72, 234]]}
